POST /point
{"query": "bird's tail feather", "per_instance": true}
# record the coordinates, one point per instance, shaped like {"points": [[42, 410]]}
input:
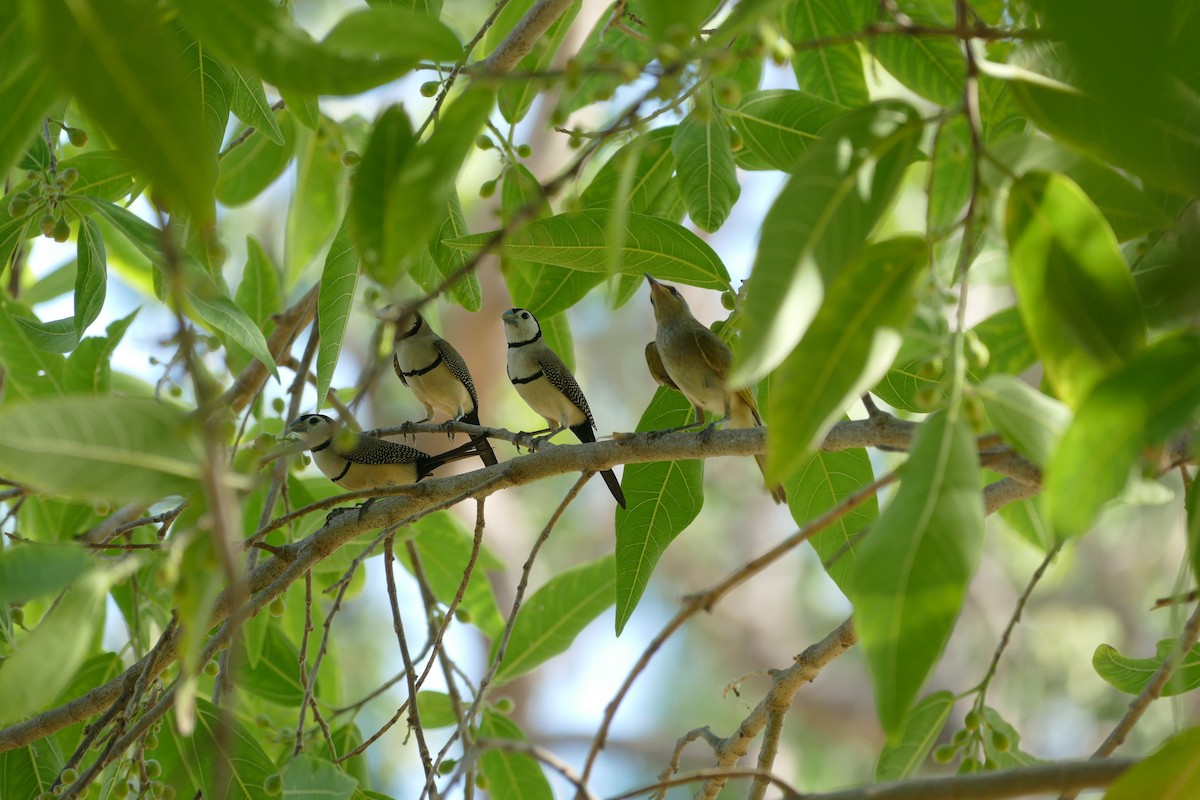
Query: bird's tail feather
{"points": [[486, 454], [614, 486], [744, 414]]}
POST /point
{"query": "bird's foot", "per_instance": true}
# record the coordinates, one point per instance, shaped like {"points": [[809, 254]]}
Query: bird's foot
{"points": [[706, 433], [334, 514], [448, 427]]}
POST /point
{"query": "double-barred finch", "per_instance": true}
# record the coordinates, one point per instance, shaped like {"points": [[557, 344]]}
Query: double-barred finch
{"points": [[359, 461], [545, 383], [434, 370], [688, 357]]}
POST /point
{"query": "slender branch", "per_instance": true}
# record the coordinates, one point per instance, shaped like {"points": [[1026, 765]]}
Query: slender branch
{"points": [[524, 35]]}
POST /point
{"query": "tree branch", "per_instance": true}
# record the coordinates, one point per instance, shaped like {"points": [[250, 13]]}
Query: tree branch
{"points": [[524, 35]]}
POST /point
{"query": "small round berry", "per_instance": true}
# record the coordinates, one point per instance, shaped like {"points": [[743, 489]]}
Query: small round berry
{"points": [[62, 230], [430, 88], [484, 142], [351, 158], [77, 136], [487, 189], [524, 150]]}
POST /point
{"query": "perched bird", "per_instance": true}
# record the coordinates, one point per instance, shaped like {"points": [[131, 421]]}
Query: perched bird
{"points": [[436, 373], [689, 358], [359, 461], [545, 383]]}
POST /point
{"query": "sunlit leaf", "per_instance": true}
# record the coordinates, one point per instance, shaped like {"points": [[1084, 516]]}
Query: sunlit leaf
{"points": [[334, 300], [706, 173], [1131, 675], [30, 572], [308, 778], [511, 776], [780, 125], [834, 72], [1028, 419], [820, 485]]}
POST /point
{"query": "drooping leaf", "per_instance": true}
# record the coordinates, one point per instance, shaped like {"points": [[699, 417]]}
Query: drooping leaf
{"points": [[662, 499], [1131, 675], [910, 575], [834, 72], [107, 448], [1011, 758], [29, 370], [466, 291], [249, 103], [1143, 403], [511, 776], [932, 66], [780, 125], [370, 216], [706, 172], [951, 176], [1171, 773], [1028, 419], [308, 778], [850, 344], [318, 199], [249, 168], [118, 59], [918, 734], [259, 294], [816, 225], [826, 480], [30, 771], [637, 177], [1073, 288], [334, 299], [555, 614], [102, 173], [30, 572], [436, 709], [214, 751], [365, 49], [91, 275], [578, 241]]}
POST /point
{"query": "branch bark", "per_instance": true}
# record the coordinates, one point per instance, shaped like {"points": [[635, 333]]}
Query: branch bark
{"points": [[524, 35]]}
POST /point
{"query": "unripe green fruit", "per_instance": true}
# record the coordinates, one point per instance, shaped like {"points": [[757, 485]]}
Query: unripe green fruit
{"points": [[168, 793], [487, 189], [978, 354], [973, 720], [736, 142], [47, 223], [69, 776], [62, 230], [575, 142], [668, 54], [278, 405], [629, 71], [447, 766], [505, 705], [273, 785], [151, 741], [276, 607], [156, 788], [464, 616], [175, 391], [524, 150], [211, 669], [945, 754], [153, 768], [969, 764], [729, 94], [928, 398], [68, 176], [77, 136], [484, 142], [931, 369], [19, 205], [350, 158], [1000, 741], [120, 790], [960, 736], [729, 300], [430, 88], [481, 782], [678, 35]]}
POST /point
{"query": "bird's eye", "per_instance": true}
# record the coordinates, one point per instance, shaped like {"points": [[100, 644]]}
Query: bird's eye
{"points": [[674, 291], [525, 315]]}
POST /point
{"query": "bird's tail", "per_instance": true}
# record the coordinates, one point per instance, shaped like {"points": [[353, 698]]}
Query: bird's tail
{"points": [[744, 414], [475, 447], [486, 454], [583, 432]]}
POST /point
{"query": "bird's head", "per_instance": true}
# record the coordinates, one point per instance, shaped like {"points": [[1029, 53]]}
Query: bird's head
{"points": [[406, 320], [312, 429], [667, 301], [520, 325]]}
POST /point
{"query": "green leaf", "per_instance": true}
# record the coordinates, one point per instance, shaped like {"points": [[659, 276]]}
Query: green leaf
{"points": [[600, 84], [918, 733], [29, 371], [1026, 418], [252, 166], [554, 615], [1131, 675], [932, 66], [308, 778], [951, 175], [317, 199], [511, 776], [846, 350], [466, 291], [1029, 520], [214, 750], [109, 448], [817, 224], [1128, 209], [1009, 349], [706, 173], [102, 173], [274, 676], [910, 575], [780, 125], [556, 332], [662, 499], [30, 572], [26, 685], [1073, 287], [834, 72], [1013, 757], [365, 49], [516, 96], [436, 710], [334, 300], [258, 294], [429, 173], [26, 89], [579, 241], [817, 487], [445, 549], [1171, 773], [637, 178], [1144, 403], [211, 81], [30, 771], [126, 73], [249, 103], [91, 275], [682, 15], [370, 216], [208, 299]]}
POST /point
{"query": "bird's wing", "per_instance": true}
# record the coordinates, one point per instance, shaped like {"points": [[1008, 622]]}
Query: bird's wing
{"points": [[657, 370], [396, 366], [371, 450], [560, 378], [715, 352], [458, 366]]}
